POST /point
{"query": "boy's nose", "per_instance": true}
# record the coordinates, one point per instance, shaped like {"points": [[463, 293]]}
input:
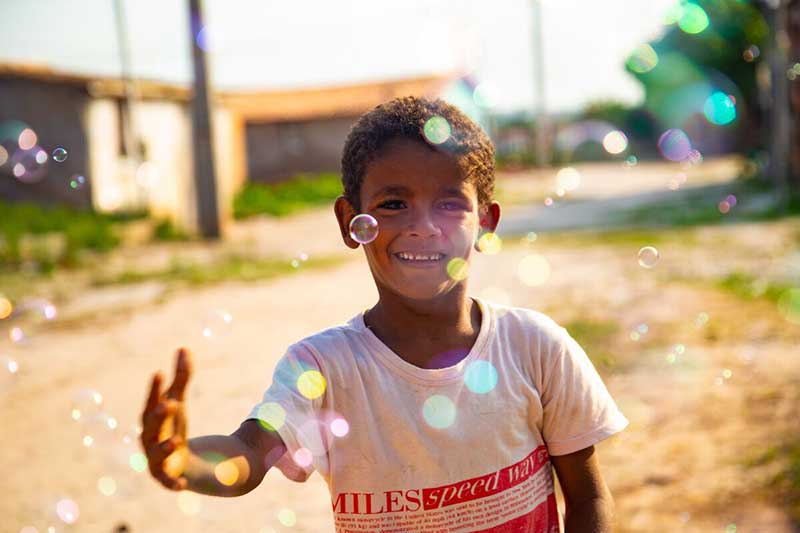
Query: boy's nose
{"points": [[422, 224]]}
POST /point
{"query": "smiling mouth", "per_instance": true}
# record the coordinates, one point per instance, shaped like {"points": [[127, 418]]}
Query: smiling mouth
{"points": [[419, 259]]}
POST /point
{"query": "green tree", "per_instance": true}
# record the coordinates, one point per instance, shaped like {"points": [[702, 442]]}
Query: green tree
{"points": [[709, 47]]}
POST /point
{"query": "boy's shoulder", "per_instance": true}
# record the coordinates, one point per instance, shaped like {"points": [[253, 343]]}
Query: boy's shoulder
{"points": [[331, 340], [523, 320]]}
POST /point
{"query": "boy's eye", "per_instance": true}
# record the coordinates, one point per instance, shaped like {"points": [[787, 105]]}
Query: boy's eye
{"points": [[451, 206], [391, 204]]}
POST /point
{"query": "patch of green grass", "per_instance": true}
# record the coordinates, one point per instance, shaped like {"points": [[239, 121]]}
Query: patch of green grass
{"points": [[78, 230], [281, 199], [232, 268], [783, 486], [598, 339], [609, 237], [749, 287], [700, 206], [166, 231]]}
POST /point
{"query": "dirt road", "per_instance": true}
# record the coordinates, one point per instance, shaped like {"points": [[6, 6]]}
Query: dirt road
{"points": [[695, 411]]}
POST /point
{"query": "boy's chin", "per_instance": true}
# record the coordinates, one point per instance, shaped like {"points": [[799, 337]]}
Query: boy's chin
{"points": [[428, 294]]}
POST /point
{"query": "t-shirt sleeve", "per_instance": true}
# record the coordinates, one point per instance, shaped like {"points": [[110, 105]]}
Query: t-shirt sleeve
{"points": [[578, 409], [291, 407]]}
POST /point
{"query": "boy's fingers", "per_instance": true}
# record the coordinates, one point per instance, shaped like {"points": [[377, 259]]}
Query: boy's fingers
{"points": [[183, 369], [170, 482], [153, 419], [157, 452], [152, 397]]}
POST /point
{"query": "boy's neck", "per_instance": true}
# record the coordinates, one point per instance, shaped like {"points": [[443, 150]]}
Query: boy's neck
{"points": [[428, 334]]}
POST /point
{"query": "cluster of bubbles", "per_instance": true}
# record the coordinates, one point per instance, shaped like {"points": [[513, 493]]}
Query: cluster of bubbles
{"points": [[675, 353], [639, 332], [363, 228], [676, 182], [727, 204], [299, 260], [590, 133], [22, 157], [99, 431], [690, 17], [34, 311], [217, 324], [439, 411], [723, 377]]}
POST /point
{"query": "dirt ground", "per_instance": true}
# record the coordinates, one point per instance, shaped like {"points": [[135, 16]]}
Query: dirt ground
{"points": [[711, 383]]}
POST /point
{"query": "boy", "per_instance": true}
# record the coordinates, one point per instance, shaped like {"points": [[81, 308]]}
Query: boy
{"points": [[430, 411]]}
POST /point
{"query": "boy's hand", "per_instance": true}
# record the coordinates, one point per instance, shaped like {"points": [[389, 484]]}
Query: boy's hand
{"points": [[164, 427]]}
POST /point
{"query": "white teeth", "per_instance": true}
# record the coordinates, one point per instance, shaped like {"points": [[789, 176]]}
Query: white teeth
{"points": [[420, 257]]}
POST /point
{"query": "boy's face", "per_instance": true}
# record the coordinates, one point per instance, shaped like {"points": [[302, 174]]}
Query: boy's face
{"points": [[427, 215]]}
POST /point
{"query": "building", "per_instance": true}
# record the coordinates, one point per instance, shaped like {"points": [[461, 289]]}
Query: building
{"points": [[129, 145]]}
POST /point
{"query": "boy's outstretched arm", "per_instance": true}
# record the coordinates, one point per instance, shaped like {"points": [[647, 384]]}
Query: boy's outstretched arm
{"points": [[218, 465], [589, 504]]}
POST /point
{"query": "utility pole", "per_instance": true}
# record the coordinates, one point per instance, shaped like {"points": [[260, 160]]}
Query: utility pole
{"points": [[780, 114], [540, 103], [130, 139], [204, 178]]}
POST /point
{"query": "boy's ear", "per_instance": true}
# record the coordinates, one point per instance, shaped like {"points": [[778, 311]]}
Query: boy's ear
{"points": [[344, 214], [489, 217]]}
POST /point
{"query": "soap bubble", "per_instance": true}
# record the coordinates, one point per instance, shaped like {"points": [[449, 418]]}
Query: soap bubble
{"points": [[719, 108], [339, 427], [85, 404], [189, 503], [648, 256], [364, 228], [77, 181], [59, 155], [437, 130], [568, 179], [287, 517], [107, 486], [27, 165], [303, 457], [534, 270], [490, 243], [67, 511], [643, 59], [27, 139], [615, 142], [480, 377], [9, 369], [311, 384], [675, 145], [271, 416], [458, 269], [218, 323], [439, 411]]}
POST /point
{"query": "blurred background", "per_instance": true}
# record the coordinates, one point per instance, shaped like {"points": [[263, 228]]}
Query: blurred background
{"points": [[167, 171]]}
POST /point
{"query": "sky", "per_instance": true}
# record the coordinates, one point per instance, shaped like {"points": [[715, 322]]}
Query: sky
{"points": [[270, 44]]}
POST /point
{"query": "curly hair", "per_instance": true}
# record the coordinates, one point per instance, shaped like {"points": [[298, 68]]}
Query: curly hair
{"points": [[405, 118]]}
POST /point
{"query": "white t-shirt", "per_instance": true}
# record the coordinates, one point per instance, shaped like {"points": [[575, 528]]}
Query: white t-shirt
{"points": [[459, 449]]}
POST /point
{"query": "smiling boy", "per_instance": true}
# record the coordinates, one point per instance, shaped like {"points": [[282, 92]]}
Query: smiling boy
{"points": [[432, 410]]}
